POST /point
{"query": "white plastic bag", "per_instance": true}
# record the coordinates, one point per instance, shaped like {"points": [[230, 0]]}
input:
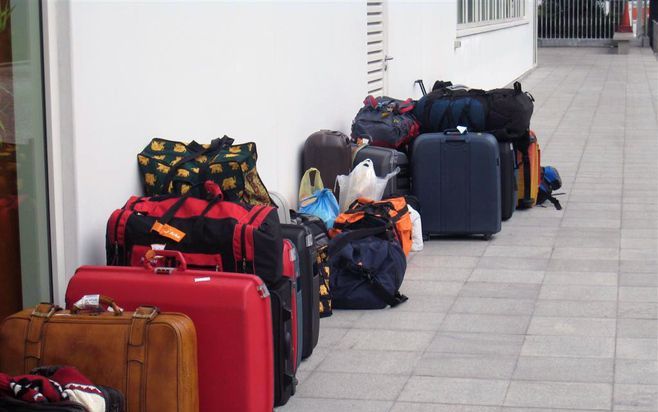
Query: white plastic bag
{"points": [[416, 230], [362, 182]]}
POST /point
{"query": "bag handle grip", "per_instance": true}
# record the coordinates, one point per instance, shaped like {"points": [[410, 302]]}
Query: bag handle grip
{"points": [[90, 301], [155, 255]]}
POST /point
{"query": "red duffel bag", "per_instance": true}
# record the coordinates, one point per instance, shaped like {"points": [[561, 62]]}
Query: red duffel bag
{"points": [[211, 234]]}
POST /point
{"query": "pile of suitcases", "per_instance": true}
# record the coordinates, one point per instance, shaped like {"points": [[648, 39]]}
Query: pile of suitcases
{"points": [[212, 296], [200, 266], [467, 156]]}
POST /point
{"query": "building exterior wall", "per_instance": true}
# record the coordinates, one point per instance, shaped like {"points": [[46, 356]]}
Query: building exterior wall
{"points": [[268, 72]]}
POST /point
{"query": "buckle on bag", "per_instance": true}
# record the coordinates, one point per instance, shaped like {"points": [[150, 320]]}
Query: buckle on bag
{"points": [[149, 315], [37, 313]]}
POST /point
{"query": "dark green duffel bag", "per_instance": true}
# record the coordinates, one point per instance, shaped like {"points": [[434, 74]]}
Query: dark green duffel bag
{"points": [[169, 167]]}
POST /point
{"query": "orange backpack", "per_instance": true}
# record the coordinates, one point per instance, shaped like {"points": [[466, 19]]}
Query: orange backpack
{"points": [[365, 213]]}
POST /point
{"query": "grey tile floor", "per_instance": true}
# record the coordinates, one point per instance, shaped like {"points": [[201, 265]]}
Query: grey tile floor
{"points": [[559, 310]]}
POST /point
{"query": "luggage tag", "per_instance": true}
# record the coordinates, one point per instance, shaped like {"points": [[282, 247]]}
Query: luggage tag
{"points": [[168, 231]]}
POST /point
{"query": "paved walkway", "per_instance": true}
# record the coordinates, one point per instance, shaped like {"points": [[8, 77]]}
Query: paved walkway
{"points": [[558, 311]]}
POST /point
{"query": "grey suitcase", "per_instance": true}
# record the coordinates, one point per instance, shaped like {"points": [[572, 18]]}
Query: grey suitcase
{"points": [[385, 161], [282, 207], [456, 178]]}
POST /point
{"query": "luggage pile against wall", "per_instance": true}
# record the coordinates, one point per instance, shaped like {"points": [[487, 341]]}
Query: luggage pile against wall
{"points": [[222, 284]]}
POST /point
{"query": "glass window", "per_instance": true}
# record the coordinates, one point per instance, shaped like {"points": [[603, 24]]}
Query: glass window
{"points": [[489, 11], [24, 235]]}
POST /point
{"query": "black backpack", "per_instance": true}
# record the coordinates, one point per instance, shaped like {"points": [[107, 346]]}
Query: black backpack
{"points": [[509, 113]]}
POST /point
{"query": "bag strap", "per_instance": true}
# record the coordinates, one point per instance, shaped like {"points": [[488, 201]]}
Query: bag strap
{"points": [[555, 202], [391, 299], [405, 106], [526, 174], [196, 151], [34, 334], [353, 235]]}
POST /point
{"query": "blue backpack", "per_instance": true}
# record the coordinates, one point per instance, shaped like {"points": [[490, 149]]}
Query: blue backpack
{"points": [[366, 270], [550, 181]]}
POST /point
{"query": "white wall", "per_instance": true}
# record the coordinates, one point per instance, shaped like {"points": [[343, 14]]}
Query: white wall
{"points": [[422, 38], [263, 72], [122, 72]]}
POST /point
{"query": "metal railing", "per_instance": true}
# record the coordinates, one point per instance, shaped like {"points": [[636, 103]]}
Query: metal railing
{"points": [[578, 22]]}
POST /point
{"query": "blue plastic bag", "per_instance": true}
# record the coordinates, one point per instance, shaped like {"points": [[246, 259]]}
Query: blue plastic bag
{"points": [[322, 204]]}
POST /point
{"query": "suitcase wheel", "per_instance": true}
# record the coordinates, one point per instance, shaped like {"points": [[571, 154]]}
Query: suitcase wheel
{"points": [[486, 236]]}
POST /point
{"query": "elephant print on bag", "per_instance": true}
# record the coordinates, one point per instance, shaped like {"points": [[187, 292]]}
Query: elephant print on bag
{"points": [[174, 169]]}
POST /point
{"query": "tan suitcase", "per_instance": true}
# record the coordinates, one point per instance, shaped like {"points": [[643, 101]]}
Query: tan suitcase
{"points": [[150, 357]]}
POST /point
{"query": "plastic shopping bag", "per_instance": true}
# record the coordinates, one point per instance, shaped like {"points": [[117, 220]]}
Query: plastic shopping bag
{"points": [[362, 182], [322, 204], [311, 182], [416, 230]]}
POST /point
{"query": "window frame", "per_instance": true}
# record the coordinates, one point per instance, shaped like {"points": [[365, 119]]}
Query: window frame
{"points": [[489, 15]]}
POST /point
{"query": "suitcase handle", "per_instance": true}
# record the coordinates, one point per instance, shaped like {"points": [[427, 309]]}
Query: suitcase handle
{"points": [[152, 255], [97, 300], [455, 132]]}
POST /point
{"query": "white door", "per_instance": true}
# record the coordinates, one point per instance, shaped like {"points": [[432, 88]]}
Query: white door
{"points": [[377, 58]]}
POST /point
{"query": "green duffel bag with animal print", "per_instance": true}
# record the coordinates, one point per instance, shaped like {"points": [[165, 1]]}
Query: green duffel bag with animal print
{"points": [[169, 167]]}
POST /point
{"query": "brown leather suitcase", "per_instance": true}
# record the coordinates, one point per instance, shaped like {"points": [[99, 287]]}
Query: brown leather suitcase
{"points": [[150, 357], [330, 152]]}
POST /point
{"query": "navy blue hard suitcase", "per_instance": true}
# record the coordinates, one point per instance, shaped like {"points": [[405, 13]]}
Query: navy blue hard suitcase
{"points": [[456, 178]]}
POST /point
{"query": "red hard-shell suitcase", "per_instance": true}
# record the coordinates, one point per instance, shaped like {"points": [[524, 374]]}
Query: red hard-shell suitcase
{"points": [[231, 313], [291, 271]]}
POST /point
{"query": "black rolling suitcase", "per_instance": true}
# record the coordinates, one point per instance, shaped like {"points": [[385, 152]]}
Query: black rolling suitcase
{"points": [[284, 375], [302, 237], [457, 182], [508, 194], [385, 161], [321, 262]]}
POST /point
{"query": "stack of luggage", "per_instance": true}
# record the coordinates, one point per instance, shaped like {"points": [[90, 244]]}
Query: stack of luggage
{"points": [[214, 286]]}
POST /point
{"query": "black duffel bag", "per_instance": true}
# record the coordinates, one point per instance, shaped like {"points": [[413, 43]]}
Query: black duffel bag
{"points": [[366, 270], [504, 113]]}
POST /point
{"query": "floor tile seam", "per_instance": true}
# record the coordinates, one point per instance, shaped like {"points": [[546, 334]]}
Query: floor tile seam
{"points": [[553, 92], [621, 214], [332, 348], [352, 372], [584, 149], [436, 333]]}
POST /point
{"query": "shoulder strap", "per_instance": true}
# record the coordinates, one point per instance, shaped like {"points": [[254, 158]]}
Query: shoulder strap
{"points": [[391, 299], [352, 235]]}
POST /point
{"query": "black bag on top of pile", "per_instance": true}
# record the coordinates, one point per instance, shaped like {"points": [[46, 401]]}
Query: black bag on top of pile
{"points": [[504, 113], [386, 122]]}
